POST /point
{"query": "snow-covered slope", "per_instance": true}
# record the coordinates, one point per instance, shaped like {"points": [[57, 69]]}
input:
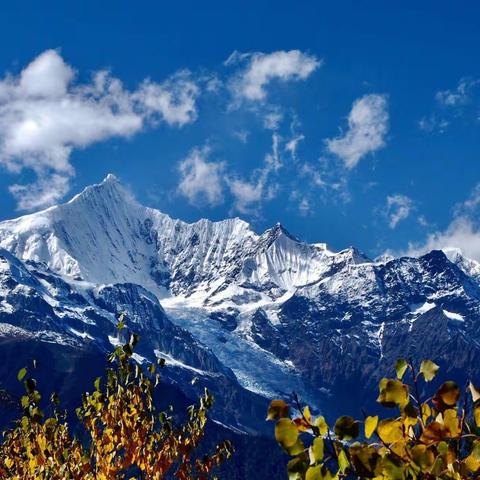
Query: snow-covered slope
{"points": [[104, 236], [277, 313]]}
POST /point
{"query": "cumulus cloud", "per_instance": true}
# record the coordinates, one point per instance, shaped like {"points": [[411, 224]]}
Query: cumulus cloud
{"points": [[398, 208], [462, 233], [45, 114], [262, 68], [201, 181], [367, 128]]}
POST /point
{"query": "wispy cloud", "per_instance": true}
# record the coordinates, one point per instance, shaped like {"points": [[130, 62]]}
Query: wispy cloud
{"points": [[450, 104], [458, 96], [368, 124], [249, 194], [201, 181], [398, 208], [260, 69], [45, 114]]}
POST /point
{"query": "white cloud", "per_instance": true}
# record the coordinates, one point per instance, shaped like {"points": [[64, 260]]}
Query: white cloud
{"points": [[451, 104], [45, 115], [398, 208], [367, 128], [201, 181], [174, 100], [248, 194], [44, 191], [272, 119], [462, 233], [263, 68], [292, 145], [433, 123], [458, 96]]}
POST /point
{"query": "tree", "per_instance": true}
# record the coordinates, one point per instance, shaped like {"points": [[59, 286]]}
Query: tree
{"points": [[127, 437], [437, 437]]}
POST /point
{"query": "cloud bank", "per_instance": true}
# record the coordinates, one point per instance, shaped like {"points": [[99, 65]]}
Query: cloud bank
{"points": [[45, 114]]}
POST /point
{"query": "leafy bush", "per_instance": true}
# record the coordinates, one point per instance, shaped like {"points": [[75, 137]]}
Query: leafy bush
{"points": [[127, 438], [436, 437]]}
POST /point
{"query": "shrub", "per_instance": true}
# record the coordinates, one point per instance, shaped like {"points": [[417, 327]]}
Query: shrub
{"points": [[437, 437], [127, 437]]}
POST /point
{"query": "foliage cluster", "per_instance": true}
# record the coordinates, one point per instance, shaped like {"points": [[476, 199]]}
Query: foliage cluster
{"points": [[436, 437], [127, 437]]}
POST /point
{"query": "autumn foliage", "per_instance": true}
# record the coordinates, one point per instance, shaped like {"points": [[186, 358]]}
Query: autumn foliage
{"points": [[426, 438], [127, 437]]}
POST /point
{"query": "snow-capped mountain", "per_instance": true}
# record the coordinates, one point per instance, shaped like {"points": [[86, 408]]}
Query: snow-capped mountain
{"points": [[264, 314]]}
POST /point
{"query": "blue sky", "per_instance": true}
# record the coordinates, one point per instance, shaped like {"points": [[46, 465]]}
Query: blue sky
{"points": [[352, 123]]}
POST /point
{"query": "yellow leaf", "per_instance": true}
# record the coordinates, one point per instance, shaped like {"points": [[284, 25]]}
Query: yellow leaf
{"points": [[370, 425], [316, 450], [307, 415], [286, 433], [277, 409], [452, 422], [343, 462], [390, 431], [314, 473], [423, 457], [321, 424], [429, 370], [476, 415], [393, 392], [401, 367]]}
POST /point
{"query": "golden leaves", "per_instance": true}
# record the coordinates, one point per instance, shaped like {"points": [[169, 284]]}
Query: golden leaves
{"points": [[124, 429], [370, 425], [428, 369], [433, 438], [277, 409], [392, 393], [286, 432]]}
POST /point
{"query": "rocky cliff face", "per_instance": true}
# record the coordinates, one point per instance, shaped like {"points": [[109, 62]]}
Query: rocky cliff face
{"points": [[263, 314]]}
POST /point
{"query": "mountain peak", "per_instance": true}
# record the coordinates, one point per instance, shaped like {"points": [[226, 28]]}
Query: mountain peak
{"points": [[109, 190], [110, 178]]}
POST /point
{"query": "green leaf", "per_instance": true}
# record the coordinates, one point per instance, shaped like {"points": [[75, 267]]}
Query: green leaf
{"points": [[401, 367], [370, 425], [286, 432], [21, 374], [346, 428], [429, 370]]}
